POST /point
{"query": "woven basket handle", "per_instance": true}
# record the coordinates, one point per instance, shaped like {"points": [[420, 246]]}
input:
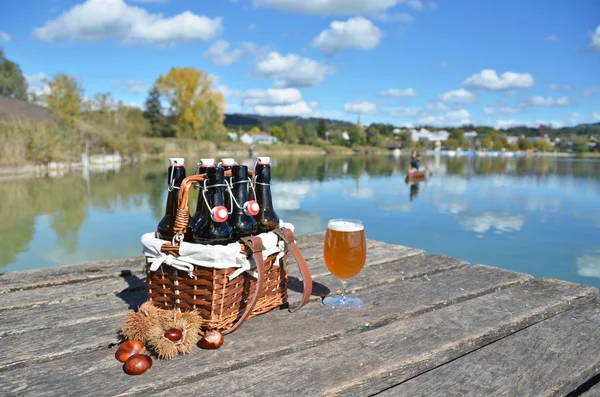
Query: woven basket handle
{"points": [[255, 245], [183, 213], [290, 240]]}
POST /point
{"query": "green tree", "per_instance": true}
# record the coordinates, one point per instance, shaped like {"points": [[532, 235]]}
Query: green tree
{"points": [[255, 129], [525, 144], [291, 132], [321, 128], [153, 112], [277, 132], [65, 99], [197, 110], [12, 82], [581, 145], [543, 146], [452, 143], [357, 135], [309, 135]]}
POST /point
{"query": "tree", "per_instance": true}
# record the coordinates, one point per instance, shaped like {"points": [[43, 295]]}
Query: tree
{"points": [[12, 82], [581, 145], [321, 128], [65, 99], [154, 114], [277, 132], [196, 109], [357, 135], [452, 143], [309, 135], [291, 132], [525, 144], [255, 129], [543, 146]]}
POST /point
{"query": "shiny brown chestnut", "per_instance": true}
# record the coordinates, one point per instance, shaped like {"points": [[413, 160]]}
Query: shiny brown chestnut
{"points": [[212, 340], [173, 334], [137, 364], [128, 349]]}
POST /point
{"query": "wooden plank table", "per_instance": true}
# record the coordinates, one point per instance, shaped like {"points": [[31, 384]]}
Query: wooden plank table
{"points": [[431, 326]]}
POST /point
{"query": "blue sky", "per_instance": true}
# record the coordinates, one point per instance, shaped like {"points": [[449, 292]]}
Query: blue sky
{"points": [[406, 62]]}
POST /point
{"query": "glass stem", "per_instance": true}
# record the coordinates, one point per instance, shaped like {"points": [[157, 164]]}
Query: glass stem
{"points": [[344, 283]]}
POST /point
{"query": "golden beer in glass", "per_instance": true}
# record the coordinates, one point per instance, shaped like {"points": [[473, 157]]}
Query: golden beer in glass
{"points": [[345, 252]]}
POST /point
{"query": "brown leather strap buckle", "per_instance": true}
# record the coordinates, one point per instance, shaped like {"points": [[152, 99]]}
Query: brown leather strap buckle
{"points": [[281, 234], [250, 243]]}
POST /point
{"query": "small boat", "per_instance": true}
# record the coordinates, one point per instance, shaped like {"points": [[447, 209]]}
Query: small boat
{"points": [[411, 173]]}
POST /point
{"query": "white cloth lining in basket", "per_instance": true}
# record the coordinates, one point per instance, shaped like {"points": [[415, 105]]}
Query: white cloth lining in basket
{"points": [[215, 256]]}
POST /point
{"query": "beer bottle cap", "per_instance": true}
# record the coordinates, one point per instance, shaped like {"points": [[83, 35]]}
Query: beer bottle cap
{"points": [[176, 161], [207, 162], [227, 161], [219, 214], [264, 160], [251, 207]]}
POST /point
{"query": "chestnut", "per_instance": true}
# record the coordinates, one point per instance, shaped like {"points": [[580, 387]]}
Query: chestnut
{"points": [[128, 349], [137, 364], [173, 334], [212, 340]]}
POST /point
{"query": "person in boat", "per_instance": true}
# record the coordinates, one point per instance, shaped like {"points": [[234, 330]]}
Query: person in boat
{"points": [[415, 160]]}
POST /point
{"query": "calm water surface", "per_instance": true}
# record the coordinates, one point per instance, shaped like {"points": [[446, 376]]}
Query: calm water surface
{"points": [[535, 215]]}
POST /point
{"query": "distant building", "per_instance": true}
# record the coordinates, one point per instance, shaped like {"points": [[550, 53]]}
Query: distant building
{"points": [[470, 134], [512, 139], [253, 138], [435, 136]]}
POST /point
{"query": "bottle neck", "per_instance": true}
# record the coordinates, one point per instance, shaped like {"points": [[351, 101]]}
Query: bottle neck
{"points": [[175, 176]]}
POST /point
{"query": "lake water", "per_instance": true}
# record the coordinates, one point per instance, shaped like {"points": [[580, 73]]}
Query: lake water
{"points": [[535, 215]]}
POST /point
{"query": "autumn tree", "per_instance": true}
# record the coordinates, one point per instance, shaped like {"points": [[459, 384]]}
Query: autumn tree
{"points": [[255, 129], [197, 110], [65, 99], [12, 82], [277, 132]]}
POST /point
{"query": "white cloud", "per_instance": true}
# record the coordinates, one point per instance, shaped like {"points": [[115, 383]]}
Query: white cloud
{"points": [[361, 107], [488, 79], [150, 1], [414, 4], [329, 7], [407, 92], [292, 70], [219, 52], [296, 109], [252, 27], [113, 19], [449, 119], [596, 115], [356, 32], [596, 39], [458, 96], [559, 87], [552, 37], [4, 36], [134, 86], [548, 101], [272, 96], [591, 90], [505, 110], [37, 83]]}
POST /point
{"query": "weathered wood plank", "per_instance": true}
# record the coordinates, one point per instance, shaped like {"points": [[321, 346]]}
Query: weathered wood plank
{"points": [[314, 325], [553, 358], [77, 323], [593, 391], [311, 245], [93, 288], [373, 361], [80, 311]]}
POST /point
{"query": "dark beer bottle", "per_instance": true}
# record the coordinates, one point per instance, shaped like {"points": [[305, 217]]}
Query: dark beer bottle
{"points": [[266, 218], [212, 227], [242, 219], [201, 169], [175, 175], [227, 164]]}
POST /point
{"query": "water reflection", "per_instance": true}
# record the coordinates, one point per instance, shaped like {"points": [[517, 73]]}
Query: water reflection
{"points": [[546, 202]]}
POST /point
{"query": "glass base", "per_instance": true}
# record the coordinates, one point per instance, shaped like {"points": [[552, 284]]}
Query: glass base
{"points": [[337, 302]]}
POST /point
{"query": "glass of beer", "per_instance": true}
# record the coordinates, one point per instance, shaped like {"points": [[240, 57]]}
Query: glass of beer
{"points": [[345, 253]]}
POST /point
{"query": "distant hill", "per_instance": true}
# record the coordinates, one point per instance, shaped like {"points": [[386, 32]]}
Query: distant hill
{"points": [[12, 109], [247, 121]]}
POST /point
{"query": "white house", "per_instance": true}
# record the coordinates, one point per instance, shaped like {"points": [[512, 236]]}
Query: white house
{"points": [[253, 138], [232, 136]]}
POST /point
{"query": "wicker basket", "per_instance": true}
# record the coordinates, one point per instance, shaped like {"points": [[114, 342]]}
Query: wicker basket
{"points": [[224, 304]]}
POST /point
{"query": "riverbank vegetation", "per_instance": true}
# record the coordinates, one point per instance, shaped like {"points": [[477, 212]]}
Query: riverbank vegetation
{"points": [[60, 124]]}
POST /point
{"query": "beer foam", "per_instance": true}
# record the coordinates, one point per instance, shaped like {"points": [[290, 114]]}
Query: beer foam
{"points": [[345, 226]]}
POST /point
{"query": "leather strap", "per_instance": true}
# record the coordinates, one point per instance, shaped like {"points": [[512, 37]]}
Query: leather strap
{"points": [[255, 245], [288, 238]]}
